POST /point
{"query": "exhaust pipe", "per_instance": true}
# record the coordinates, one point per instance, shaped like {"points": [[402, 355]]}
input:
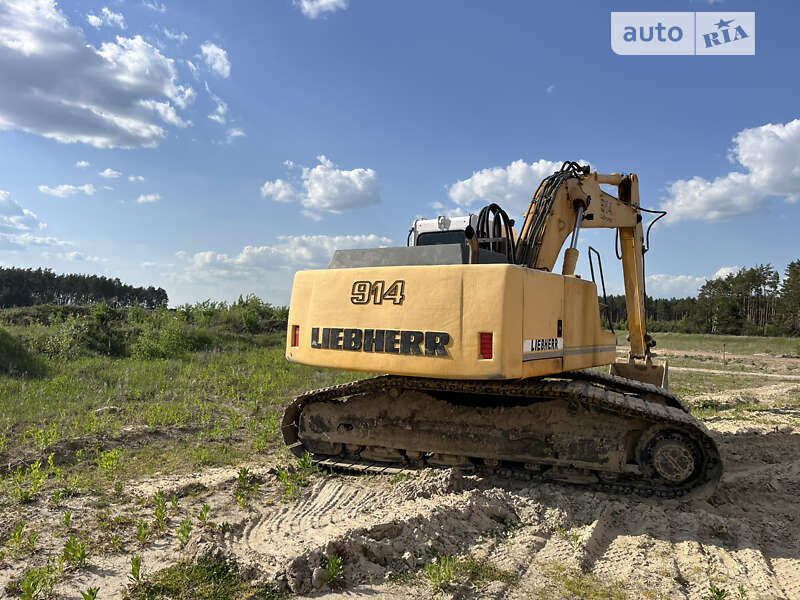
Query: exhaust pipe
{"points": [[472, 241]]}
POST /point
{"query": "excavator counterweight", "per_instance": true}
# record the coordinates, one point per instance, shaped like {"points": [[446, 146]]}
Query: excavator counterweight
{"points": [[488, 357]]}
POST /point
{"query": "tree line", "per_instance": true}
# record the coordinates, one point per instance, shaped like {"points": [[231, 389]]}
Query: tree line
{"points": [[754, 301], [30, 287]]}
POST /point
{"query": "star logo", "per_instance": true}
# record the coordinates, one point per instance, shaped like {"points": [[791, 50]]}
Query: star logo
{"points": [[722, 23]]}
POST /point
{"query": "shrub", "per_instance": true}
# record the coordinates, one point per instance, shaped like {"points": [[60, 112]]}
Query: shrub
{"points": [[64, 340], [163, 335], [15, 358], [106, 334]]}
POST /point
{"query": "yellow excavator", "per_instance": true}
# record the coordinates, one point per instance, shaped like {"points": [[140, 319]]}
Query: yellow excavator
{"points": [[488, 356]]}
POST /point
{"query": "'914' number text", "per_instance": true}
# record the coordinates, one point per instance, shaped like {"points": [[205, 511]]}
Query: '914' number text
{"points": [[376, 292]]}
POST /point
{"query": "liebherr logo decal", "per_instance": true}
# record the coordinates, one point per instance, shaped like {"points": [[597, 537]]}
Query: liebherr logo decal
{"points": [[542, 348], [543, 344], [413, 343], [554, 348]]}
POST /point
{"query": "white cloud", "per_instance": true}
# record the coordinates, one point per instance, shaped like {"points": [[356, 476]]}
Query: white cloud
{"points": [[109, 173], [316, 8], [550, 88], [135, 178], [64, 190], [18, 223], [166, 111], [175, 36], [769, 155], [234, 133], [314, 216], [156, 6], [23, 240], [292, 252], [216, 59], [15, 218], [59, 86], [193, 68], [723, 272], [75, 256], [106, 17], [148, 198], [108, 187], [327, 189], [660, 285], [148, 265], [280, 191], [82, 164], [222, 107], [511, 187]]}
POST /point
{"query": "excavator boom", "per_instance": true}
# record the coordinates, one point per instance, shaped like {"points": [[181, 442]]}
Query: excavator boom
{"points": [[572, 198]]}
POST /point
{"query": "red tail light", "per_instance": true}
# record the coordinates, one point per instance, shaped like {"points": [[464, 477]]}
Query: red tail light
{"points": [[486, 345], [295, 335]]}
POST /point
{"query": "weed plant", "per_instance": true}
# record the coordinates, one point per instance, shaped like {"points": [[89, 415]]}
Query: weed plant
{"points": [[136, 570], [448, 571], [74, 552], [292, 479], [184, 532], [334, 571]]}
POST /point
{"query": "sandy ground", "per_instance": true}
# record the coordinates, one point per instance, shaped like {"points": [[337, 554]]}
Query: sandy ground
{"points": [[723, 372], [753, 363], [746, 534]]}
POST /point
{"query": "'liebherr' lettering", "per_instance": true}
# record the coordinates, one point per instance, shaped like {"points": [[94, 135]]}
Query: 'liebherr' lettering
{"points": [[545, 344], [413, 343]]}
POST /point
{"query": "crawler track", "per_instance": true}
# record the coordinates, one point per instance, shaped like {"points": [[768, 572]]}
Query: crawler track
{"points": [[584, 427]]}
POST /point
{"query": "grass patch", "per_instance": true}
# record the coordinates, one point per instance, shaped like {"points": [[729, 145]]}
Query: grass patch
{"points": [[212, 408], [565, 583], [706, 342], [687, 383], [716, 363], [207, 579], [398, 478], [451, 571]]}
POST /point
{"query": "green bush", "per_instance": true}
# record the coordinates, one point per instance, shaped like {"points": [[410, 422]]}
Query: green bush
{"points": [[163, 335], [66, 332], [200, 339], [106, 331], [64, 340], [15, 359]]}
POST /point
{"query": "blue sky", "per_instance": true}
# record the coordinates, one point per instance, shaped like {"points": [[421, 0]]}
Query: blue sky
{"points": [[245, 140]]}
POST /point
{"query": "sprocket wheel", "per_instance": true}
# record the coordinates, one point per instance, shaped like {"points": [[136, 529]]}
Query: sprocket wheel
{"points": [[670, 455]]}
